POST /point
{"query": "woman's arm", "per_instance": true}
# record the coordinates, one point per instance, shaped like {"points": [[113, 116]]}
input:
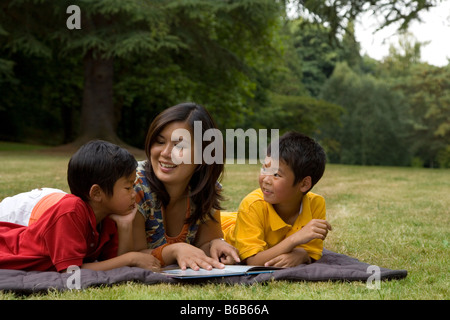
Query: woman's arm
{"points": [[210, 240], [207, 232], [206, 251]]}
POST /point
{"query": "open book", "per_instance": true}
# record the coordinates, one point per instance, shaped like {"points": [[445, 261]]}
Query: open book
{"points": [[229, 270]]}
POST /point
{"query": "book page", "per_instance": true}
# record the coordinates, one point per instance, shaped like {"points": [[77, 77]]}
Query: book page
{"points": [[227, 271]]}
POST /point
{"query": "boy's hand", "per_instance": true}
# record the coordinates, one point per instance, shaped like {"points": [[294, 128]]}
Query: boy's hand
{"points": [[315, 229], [224, 252], [124, 223], [291, 259], [126, 218], [131, 259], [145, 261]]}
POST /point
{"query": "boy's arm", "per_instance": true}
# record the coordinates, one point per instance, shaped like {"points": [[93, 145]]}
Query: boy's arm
{"points": [[315, 229], [130, 259], [318, 211], [124, 225], [291, 259], [260, 259]]}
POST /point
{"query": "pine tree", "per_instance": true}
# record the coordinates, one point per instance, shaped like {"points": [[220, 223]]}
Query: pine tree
{"points": [[222, 36]]}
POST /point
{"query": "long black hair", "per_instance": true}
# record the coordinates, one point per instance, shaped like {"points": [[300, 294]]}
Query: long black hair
{"points": [[205, 192]]}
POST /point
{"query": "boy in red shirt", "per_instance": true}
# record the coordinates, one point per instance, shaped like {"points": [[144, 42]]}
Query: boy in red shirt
{"points": [[89, 228]]}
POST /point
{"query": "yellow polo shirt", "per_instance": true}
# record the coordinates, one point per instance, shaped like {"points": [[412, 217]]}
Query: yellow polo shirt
{"points": [[257, 227]]}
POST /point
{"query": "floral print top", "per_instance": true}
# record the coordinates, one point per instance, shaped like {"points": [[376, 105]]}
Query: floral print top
{"points": [[151, 209]]}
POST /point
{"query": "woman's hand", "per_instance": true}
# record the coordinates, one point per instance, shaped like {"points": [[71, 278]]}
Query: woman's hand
{"points": [[224, 252], [188, 256]]}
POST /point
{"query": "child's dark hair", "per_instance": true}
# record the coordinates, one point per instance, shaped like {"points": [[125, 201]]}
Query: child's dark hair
{"points": [[303, 155], [98, 162]]}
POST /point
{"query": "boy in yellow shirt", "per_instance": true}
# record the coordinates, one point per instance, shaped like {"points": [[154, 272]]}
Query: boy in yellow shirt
{"points": [[282, 224]]}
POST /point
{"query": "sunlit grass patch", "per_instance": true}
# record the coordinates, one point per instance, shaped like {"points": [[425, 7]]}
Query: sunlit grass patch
{"points": [[391, 217]]}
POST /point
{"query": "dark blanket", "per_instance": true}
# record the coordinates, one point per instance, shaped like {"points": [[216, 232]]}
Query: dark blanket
{"points": [[333, 266]]}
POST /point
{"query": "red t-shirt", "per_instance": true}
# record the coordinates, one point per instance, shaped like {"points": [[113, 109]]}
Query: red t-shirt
{"points": [[65, 235]]}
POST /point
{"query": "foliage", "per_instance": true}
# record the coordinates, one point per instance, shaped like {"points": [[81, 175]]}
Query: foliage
{"points": [[401, 57], [285, 96], [250, 65], [317, 55], [211, 46], [337, 14], [372, 125], [300, 113], [30, 107], [397, 110], [427, 89]]}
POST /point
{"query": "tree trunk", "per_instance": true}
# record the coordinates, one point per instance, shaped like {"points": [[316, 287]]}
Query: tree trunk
{"points": [[98, 120], [97, 111]]}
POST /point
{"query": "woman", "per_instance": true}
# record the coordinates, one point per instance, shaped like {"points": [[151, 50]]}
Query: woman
{"points": [[179, 202]]}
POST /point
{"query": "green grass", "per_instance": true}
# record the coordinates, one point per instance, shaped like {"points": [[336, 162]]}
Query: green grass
{"points": [[19, 147], [396, 218]]}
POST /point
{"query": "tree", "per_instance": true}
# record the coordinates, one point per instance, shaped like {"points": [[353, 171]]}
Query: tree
{"points": [[214, 46], [427, 89], [402, 57], [284, 100], [337, 14], [220, 37], [317, 55], [372, 131]]}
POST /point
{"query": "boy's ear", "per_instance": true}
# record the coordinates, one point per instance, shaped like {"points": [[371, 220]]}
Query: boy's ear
{"points": [[305, 184], [95, 193]]}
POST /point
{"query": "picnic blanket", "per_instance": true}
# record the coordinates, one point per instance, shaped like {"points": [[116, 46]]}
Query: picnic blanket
{"points": [[332, 266]]}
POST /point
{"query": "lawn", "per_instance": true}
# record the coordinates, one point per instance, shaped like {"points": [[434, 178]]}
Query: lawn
{"points": [[393, 217]]}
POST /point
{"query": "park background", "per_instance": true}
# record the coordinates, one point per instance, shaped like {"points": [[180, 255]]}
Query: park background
{"points": [[248, 62], [384, 123]]}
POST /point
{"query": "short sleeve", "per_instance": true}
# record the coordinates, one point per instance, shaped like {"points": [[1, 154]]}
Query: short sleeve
{"points": [[318, 211], [249, 230], [71, 250], [318, 208], [109, 239]]}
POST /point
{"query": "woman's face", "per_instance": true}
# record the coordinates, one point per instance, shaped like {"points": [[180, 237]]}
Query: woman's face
{"points": [[173, 161]]}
